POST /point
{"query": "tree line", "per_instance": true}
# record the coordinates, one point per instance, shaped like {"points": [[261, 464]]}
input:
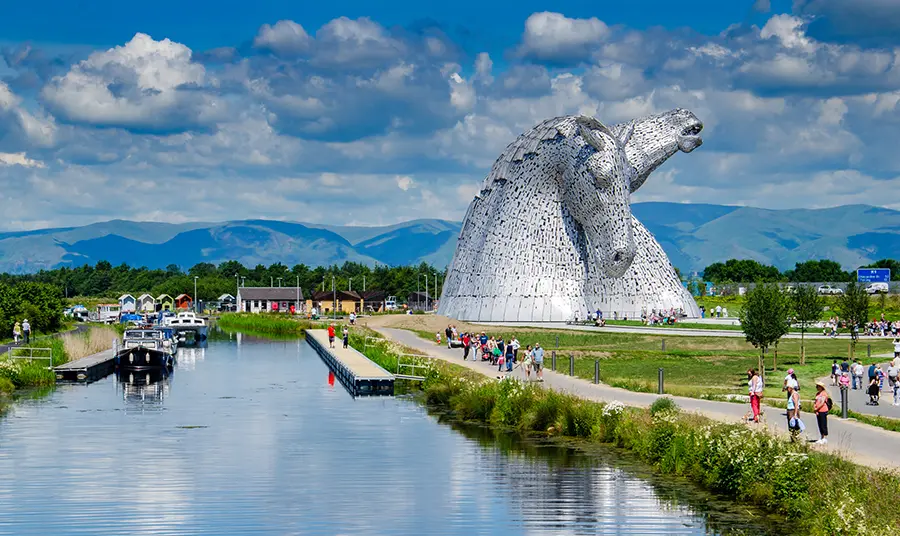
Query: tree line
{"points": [[815, 271], [769, 312], [105, 280], [40, 303]]}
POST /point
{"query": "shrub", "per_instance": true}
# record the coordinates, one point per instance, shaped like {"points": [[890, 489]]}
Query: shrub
{"points": [[663, 404], [6, 385], [475, 404]]}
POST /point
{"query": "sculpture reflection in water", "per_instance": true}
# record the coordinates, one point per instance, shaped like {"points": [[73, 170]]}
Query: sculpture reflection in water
{"points": [[145, 389]]}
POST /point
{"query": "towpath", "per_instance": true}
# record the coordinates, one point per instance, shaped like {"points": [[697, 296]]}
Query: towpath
{"points": [[4, 348], [858, 398], [863, 444]]}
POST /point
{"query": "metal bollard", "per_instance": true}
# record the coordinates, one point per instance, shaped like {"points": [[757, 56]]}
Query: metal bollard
{"points": [[844, 402], [557, 342], [553, 360], [596, 372], [663, 345], [571, 365], [868, 350], [661, 388]]}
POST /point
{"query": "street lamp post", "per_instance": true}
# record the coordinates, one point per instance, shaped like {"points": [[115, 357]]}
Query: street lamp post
{"points": [[426, 292], [195, 294], [334, 297], [418, 295], [297, 308], [279, 282], [350, 284], [364, 283]]}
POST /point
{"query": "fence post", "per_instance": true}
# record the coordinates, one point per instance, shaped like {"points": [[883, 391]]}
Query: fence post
{"points": [[660, 389], [868, 350], [596, 371], [663, 345], [553, 360], [843, 402], [571, 365]]}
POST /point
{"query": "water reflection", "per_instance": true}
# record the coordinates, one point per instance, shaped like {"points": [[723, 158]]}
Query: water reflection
{"points": [[145, 389], [256, 439]]}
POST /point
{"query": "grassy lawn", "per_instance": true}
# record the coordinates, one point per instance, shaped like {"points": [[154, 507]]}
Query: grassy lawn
{"points": [[693, 366], [891, 306]]}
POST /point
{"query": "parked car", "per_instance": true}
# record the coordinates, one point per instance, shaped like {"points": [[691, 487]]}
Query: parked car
{"points": [[828, 289], [877, 288], [390, 303]]}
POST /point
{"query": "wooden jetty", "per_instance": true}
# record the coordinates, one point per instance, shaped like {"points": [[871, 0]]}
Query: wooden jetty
{"points": [[357, 372], [87, 369]]}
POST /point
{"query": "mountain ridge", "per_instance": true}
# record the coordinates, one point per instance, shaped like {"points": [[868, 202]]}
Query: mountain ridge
{"points": [[693, 236]]}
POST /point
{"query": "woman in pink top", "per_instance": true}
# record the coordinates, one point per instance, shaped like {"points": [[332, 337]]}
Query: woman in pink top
{"points": [[820, 406]]}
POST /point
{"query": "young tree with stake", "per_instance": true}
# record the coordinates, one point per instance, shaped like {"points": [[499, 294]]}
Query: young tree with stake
{"points": [[765, 318], [807, 306]]}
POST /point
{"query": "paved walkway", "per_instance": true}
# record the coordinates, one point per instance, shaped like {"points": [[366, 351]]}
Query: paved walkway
{"points": [[674, 331], [859, 397], [858, 442]]}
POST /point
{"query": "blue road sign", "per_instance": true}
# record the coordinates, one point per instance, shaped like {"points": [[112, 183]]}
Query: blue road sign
{"points": [[873, 275]]}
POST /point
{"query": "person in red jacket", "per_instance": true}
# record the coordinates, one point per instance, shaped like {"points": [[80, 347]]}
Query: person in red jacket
{"points": [[331, 335]]}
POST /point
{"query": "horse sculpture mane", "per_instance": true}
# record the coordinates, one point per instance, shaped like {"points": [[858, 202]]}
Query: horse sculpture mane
{"points": [[551, 233]]}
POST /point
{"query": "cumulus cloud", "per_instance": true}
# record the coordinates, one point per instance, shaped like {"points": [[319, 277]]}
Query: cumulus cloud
{"points": [[556, 38], [285, 37], [372, 117], [144, 85]]}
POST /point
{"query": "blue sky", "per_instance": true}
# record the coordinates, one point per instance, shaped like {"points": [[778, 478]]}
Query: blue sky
{"points": [[373, 113]]}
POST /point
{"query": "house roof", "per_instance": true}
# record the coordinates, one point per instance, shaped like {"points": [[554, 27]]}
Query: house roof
{"points": [[329, 295], [413, 296], [182, 296], [225, 296], [123, 296], [373, 295], [142, 296], [162, 296], [269, 293]]}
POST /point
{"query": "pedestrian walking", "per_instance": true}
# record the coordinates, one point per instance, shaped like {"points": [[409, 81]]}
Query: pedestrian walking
{"points": [[894, 382], [26, 331], [896, 349], [528, 362], [510, 356], [346, 336], [466, 341], [17, 332], [795, 425], [835, 371], [756, 391], [331, 336], [515, 346], [822, 406], [873, 372], [538, 356], [352, 318]]}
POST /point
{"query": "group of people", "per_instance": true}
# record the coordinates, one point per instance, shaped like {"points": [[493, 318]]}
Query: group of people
{"points": [[505, 355], [822, 403], [850, 376], [22, 332], [883, 328]]}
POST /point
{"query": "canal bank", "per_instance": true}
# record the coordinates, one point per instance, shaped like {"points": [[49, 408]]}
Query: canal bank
{"points": [[814, 489]]}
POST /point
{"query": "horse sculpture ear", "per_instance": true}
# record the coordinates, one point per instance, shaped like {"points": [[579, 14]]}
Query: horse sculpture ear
{"points": [[586, 127]]}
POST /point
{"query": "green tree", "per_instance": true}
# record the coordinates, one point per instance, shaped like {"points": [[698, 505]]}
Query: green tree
{"points": [[741, 271], [765, 319], [853, 305], [807, 306], [817, 271]]}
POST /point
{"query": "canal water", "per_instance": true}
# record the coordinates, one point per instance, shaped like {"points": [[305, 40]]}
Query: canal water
{"points": [[255, 437]]}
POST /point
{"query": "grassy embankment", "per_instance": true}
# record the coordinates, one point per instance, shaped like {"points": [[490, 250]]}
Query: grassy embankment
{"points": [[817, 493], [23, 374], [696, 367]]}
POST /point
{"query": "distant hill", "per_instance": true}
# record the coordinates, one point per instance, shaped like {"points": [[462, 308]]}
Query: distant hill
{"points": [[693, 235]]}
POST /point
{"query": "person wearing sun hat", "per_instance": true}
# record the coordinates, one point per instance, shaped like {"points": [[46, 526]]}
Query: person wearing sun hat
{"points": [[821, 407]]}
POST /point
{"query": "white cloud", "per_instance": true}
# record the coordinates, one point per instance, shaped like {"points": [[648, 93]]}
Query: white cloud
{"points": [[405, 182], [555, 37], [285, 37], [143, 85], [345, 42], [19, 159]]}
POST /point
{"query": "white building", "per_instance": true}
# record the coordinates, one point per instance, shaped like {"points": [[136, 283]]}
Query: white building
{"points": [[270, 300]]}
